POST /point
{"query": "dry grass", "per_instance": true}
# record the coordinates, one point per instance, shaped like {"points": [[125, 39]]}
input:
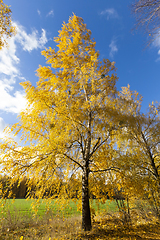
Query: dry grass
{"points": [[108, 226]]}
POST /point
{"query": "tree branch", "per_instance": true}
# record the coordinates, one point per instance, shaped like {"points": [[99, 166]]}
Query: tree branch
{"points": [[73, 160], [105, 170], [97, 146]]}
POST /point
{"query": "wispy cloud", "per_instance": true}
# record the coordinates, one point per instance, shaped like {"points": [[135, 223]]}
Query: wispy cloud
{"points": [[156, 44], [39, 12], [110, 13], [113, 48], [31, 41], [12, 100], [51, 13]]}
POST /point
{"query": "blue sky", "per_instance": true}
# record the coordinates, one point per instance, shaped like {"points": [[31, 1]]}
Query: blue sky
{"points": [[111, 24]]}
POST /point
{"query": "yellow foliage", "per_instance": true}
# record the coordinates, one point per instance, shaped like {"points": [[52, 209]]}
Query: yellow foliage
{"points": [[77, 127], [6, 27], [70, 115]]}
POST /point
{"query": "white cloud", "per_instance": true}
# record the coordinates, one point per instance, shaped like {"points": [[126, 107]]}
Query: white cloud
{"points": [[113, 48], [11, 103], [51, 13], [8, 59], [2, 127], [11, 100], [43, 39], [110, 13], [31, 41]]}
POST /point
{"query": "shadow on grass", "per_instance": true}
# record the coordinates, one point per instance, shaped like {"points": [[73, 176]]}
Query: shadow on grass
{"points": [[107, 231], [70, 228]]}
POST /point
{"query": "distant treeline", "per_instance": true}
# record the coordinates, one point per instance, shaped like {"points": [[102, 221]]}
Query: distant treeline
{"points": [[20, 189], [14, 190]]}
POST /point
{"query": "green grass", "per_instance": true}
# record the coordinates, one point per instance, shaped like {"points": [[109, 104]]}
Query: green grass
{"points": [[24, 207], [108, 206]]}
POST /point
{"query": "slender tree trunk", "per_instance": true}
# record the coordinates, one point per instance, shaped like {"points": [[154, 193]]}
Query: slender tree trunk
{"points": [[86, 214]]}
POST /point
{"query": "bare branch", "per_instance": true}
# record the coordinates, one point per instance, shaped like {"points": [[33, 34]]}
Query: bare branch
{"points": [[147, 13], [150, 156], [73, 160], [97, 146], [105, 170], [73, 172], [148, 170]]}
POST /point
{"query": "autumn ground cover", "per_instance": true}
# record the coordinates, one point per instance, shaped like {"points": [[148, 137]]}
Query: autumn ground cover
{"points": [[17, 223]]}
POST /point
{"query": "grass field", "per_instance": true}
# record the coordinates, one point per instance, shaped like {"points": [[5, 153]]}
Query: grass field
{"points": [[17, 221], [24, 207]]}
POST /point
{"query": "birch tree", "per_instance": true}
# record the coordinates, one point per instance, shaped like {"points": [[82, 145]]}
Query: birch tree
{"points": [[139, 149], [69, 119]]}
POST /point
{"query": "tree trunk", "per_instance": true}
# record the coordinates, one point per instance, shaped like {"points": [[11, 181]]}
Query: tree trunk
{"points": [[86, 214]]}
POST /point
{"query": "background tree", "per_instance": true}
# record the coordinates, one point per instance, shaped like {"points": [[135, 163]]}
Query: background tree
{"points": [[146, 142], [6, 27], [69, 118], [138, 150], [147, 13]]}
